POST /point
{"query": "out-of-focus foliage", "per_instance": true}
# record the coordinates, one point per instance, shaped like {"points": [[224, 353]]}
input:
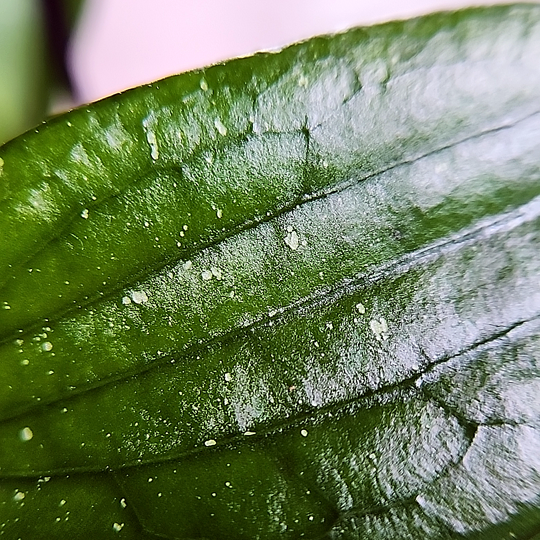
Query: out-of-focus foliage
{"points": [[23, 66], [28, 78]]}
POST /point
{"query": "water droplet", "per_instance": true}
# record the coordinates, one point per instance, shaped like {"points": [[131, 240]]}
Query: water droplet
{"points": [[228, 377], [19, 496], [47, 346], [84, 213], [187, 265], [126, 300], [117, 527], [304, 433], [206, 275], [204, 85], [210, 442]]}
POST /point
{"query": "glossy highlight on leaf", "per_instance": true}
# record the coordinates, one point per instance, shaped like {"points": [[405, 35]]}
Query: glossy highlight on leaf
{"points": [[289, 296]]}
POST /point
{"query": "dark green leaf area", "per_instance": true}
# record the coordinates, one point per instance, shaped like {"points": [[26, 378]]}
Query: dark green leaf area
{"points": [[296, 483], [305, 252], [289, 296], [360, 467], [305, 121], [166, 215], [384, 329], [236, 492], [65, 508]]}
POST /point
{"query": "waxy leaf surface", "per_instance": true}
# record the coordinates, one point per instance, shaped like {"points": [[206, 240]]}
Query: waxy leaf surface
{"points": [[290, 296]]}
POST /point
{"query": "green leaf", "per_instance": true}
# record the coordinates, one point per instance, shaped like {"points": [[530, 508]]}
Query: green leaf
{"points": [[293, 295]]}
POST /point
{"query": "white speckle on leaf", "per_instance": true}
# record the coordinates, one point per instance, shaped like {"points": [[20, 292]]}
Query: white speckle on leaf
{"points": [[292, 240], [187, 265], [379, 328], [360, 307], [228, 377], [139, 297], [222, 130], [216, 272], [219, 213], [206, 275], [148, 125], [117, 527], [26, 434], [126, 300], [152, 141]]}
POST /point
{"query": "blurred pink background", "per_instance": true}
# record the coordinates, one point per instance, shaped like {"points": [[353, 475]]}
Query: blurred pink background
{"points": [[124, 43]]}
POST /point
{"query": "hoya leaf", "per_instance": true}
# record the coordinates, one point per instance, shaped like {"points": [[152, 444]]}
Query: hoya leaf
{"points": [[293, 295]]}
